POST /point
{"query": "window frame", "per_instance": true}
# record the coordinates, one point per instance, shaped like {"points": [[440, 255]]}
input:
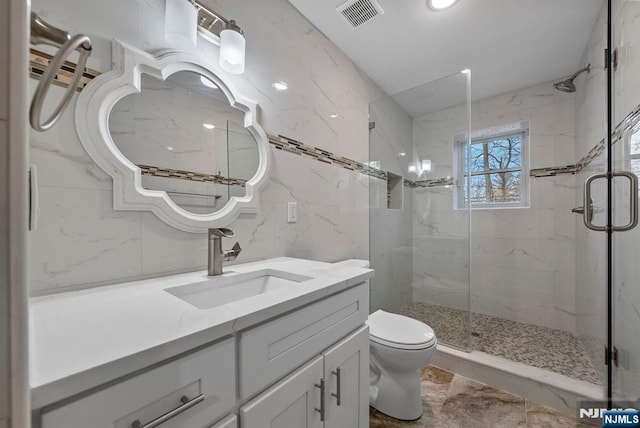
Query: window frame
{"points": [[483, 136]]}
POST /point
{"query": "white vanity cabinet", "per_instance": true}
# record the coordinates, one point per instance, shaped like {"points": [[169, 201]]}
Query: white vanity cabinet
{"points": [[331, 391], [305, 366]]}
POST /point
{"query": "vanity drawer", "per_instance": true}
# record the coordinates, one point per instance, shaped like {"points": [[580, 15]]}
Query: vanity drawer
{"points": [[195, 390], [270, 351]]}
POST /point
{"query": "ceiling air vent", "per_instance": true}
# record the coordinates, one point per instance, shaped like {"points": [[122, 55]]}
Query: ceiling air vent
{"points": [[359, 12]]}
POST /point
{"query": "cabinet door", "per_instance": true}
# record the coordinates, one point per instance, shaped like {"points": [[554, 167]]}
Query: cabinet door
{"points": [[290, 403], [346, 367]]}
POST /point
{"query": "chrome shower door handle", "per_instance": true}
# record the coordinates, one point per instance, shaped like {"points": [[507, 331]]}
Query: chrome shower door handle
{"points": [[588, 204], [633, 203]]}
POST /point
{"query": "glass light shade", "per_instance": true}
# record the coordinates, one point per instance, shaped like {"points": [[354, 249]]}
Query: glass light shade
{"points": [[440, 4], [181, 24], [232, 47]]}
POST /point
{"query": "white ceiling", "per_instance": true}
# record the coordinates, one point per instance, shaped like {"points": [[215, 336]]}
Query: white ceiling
{"points": [[508, 44]]}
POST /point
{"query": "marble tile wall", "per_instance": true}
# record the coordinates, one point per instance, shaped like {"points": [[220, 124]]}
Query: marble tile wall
{"points": [[391, 251], [82, 241], [522, 260]]}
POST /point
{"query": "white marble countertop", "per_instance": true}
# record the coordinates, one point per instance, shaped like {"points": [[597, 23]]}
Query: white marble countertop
{"points": [[83, 339]]}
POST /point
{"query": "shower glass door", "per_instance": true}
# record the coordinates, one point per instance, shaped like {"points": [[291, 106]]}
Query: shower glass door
{"points": [[625, 164], [420, 224]]}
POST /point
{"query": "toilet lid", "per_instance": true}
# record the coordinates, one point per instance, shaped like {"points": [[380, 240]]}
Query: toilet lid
{"points": [[399, 331]]}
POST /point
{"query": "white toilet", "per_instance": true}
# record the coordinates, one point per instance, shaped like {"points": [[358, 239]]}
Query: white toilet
{"points": [[400, 347]]}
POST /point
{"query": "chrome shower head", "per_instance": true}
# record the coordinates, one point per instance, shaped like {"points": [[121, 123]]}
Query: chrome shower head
{"points": [[568, 85], [565, 86]]}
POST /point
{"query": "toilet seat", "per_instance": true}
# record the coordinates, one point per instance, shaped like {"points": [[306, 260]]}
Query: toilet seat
{"points": [[400, 332]]}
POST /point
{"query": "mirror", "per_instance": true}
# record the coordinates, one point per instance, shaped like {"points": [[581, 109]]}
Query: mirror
{"points": [[187, 140], [177, 139]]}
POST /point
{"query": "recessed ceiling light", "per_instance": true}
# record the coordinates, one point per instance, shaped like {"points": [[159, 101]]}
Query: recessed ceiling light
{"points": [[402, 154], [170, 149], [333, 116], [208, 83], [440, 4], [208, 125], [280, 86]]}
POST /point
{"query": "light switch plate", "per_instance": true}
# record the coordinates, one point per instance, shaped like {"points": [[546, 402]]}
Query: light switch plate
{"points": [[292, 212]]}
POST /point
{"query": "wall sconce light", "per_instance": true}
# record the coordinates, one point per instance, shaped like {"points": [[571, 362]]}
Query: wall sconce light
{"points": [[232, 48], [226, 33], [420, 167], [181, 23]]}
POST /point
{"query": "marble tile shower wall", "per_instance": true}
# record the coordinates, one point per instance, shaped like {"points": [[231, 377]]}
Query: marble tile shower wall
{"points": [[522, 260], [82, 241], [390, 229]]}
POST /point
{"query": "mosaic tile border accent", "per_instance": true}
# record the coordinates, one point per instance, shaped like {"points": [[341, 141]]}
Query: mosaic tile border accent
{"points": [[630, 122], [179, 174], [39, 61], [280, 142], [435, 182]]}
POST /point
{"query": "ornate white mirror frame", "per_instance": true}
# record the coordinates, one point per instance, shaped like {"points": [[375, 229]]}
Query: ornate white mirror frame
{"points": [[99, 97]]}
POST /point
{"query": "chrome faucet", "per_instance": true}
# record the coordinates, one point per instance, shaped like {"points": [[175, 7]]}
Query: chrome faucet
{"points": [[216, 255]]}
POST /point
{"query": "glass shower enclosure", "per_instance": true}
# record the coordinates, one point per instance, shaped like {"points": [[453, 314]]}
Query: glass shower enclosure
{"points": [[553, 284], [419, 232]]}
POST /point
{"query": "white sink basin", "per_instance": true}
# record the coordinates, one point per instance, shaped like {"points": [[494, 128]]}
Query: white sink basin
{"points": [[219, 290]]}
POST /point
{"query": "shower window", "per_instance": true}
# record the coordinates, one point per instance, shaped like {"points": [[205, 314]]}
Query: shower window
{"points": [[497, 168]]}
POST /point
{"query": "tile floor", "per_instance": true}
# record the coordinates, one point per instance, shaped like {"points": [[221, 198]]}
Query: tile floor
{"points": [[555, 350], [451, 400]]}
